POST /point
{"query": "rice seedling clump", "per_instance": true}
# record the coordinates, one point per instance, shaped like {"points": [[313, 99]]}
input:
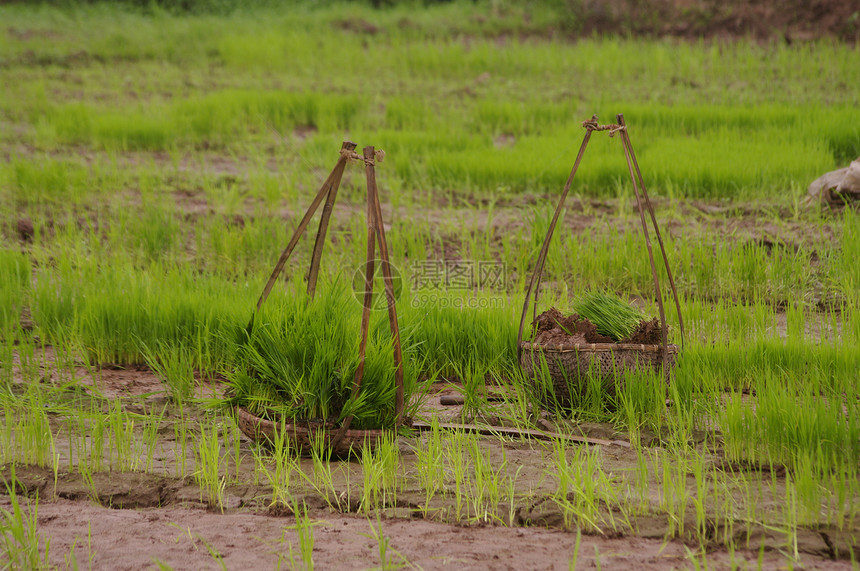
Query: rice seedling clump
{"points": [[298, 360], [612, 316], [598, 318]]}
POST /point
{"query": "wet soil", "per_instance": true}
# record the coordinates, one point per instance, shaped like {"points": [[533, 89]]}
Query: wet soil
{"points": [[196, 538], [552, 327], [128, 519]]}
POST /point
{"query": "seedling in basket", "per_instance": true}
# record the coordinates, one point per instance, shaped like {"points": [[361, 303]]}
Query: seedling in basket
{"points": [[322, 396], [578, 358]]}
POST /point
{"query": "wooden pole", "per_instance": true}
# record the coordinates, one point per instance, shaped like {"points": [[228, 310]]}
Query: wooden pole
{"points": [[399, 403], [536, 275], [625, 137], [369, 267], [620, 119], [303, 224], [313, 272]]}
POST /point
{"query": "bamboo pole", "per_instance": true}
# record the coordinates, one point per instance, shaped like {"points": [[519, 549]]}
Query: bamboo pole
{"points": [[625, 138], [369, 267], [640, 207], [536, 275], [319, 243], [303, 224], [399, 403]]}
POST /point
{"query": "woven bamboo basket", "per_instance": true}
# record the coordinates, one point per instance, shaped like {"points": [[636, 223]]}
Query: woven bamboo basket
{"points": [[302, 436], [570, 366]]}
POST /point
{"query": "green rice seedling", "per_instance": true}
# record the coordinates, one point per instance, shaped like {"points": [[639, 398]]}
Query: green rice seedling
{"points": [[208, 465], [194, 538], [673, 491], [173, 366], [124, 446], [576, 492], [151, 427], [42, 181], [815, 422], [388, 558], [612, 316], [323, 480], [232, 435], [456, 466], [87, 476], [21, 537], [590, 398], [300, 360], [380, 466], [71, 558], [725, 511], [305, 531], [285, 466], [31, 434], [180, 439], [789, 516], [474, 389], [486, 483], [92, 431], [448, 332], [519, 396], [6, 442], [643, 480], [571, 565], [510, 492], [430, 463], [702, 493], [7, 359], [640, 402], [29, 368], [55, 466], [14, 283]]}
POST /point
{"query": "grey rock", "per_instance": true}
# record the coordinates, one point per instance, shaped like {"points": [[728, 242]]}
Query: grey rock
{"points": [[837, 188]]}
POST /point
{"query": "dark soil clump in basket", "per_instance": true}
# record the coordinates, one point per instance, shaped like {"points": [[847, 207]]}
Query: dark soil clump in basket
{"points": [[553, 328], [646, 333]]}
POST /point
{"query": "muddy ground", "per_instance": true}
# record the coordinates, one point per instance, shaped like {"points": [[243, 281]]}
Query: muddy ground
{"points": [[196, 538], [136, 519]]}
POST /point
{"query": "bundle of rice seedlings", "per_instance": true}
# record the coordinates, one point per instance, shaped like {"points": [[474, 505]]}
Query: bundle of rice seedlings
{"points": [[612, 317], [298, 362]]}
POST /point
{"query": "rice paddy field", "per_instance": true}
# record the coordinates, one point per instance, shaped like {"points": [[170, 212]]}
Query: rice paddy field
{"points": [[153, 166]]}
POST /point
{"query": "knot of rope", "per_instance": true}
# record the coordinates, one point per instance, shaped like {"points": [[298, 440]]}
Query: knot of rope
{"points": [[379, 156], [593, 125]]}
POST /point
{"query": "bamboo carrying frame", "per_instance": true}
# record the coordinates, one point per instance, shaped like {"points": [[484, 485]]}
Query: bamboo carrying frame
{"points": [[570, 363], [303, 433]]}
